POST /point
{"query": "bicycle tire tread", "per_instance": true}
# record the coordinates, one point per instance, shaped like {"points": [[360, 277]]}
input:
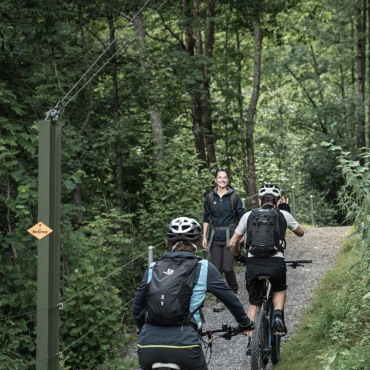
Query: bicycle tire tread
{"points": [[258, 341]]}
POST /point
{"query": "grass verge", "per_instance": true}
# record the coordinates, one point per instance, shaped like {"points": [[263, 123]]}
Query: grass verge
{"points": [[334, 333]]}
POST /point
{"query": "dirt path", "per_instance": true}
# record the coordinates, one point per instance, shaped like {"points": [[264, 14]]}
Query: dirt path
{"points": [[319, 244]]}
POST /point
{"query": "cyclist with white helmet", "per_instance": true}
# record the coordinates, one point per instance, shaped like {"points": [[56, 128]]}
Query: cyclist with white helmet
{"points": [[179, 342], [273, 266]]}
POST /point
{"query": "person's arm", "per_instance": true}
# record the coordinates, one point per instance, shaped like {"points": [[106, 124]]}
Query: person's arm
{"points": [[234, 244], [240, 230], [205, 231], [299, 231], [293, 224], [139, 303], [206, 221], [217, 286]]}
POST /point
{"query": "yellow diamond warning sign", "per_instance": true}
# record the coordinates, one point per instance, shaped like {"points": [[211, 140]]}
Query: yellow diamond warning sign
{"points": [[40, 230]]}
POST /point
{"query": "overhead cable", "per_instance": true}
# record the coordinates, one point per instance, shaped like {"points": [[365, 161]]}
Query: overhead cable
{"points": [[125, 44]]}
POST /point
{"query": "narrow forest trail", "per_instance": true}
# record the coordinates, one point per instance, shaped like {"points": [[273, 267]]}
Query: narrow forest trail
{"points": [[319, 244]]}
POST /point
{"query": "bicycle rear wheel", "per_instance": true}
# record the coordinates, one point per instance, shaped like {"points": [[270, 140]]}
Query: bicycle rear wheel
{"points": [[275, 340], [275, 348], [259, 344]]}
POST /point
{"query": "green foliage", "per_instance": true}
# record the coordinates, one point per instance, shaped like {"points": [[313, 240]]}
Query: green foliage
{"points": [[173, 188], [335, 331], [306, 96], [354, 195], [18, 197], [95, 300]]}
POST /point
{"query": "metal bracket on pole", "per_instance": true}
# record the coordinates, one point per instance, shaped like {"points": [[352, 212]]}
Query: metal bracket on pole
{"points": [[53, 114]]}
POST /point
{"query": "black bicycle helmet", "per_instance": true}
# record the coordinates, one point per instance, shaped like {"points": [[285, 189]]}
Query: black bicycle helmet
{"points": [[269, 189], [183, 229]]}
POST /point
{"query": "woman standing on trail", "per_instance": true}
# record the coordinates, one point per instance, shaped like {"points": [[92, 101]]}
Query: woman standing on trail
{"points": [[222, 210]]}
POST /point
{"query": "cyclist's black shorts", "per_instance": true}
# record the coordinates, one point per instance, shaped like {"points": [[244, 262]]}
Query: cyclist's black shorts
{"points": [[271, 266], [186, 358]]}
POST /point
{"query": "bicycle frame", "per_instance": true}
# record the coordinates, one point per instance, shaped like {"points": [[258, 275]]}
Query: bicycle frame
{"points": [[265, 343], [263, 338]]}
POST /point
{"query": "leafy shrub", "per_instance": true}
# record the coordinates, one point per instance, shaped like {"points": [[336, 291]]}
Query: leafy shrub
{"points": [[173, 187]]}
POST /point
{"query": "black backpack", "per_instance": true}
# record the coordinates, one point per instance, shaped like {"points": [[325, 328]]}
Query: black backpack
{"points": [[169, 292], [263, 239]]}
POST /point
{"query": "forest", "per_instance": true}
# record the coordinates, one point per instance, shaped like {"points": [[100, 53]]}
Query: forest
{"points": [[152, 96]]}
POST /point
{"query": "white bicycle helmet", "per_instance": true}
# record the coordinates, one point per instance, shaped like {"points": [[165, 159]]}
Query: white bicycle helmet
{"points": [[269, 188], [183, 229]]}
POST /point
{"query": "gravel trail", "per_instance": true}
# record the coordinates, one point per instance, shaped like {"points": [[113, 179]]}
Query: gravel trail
{"points": [[319, 244]]}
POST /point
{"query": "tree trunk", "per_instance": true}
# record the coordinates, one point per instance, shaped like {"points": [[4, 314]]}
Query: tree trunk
{"points": [[241, 117], [368, 76], [36, 49], [206, 97], [251, 172], [191, 44], [115, 109], [155, 117], [361, 26], [8, 218], [90, 87], [200, 92]]}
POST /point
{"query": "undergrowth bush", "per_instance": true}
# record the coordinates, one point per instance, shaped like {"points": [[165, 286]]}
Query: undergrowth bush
{"points": [[335, 332]]}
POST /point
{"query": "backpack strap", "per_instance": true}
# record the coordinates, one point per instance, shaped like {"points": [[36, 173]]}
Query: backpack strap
{"points": [[233, 202], [210, 201], [150, 272]]}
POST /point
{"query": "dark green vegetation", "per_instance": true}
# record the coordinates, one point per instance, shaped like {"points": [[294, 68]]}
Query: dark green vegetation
{"points": [[335, 332], [148, 108]]}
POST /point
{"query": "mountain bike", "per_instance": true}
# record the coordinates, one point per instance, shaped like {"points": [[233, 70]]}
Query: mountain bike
{"points": [[226, 332], [265, 342]]}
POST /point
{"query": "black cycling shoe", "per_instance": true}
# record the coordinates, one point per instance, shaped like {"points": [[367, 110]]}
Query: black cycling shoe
{"points": [[279, 326]]}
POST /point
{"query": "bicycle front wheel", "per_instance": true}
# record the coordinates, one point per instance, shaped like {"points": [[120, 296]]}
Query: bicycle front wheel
{"points": [[259, 343]]}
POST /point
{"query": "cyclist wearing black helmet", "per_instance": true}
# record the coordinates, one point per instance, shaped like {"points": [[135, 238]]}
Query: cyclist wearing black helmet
{"points": [[179, 342], [273, 266]]}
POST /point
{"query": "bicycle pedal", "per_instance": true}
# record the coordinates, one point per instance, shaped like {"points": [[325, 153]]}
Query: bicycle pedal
{"points": [[280, 334]]}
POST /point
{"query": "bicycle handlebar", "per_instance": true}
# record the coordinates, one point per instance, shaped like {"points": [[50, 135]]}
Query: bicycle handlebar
{"points": [[228, 330], [296, 263]]}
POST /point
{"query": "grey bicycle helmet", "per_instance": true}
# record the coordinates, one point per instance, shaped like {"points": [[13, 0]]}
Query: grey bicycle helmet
{"points": [[269, 189], [183, 229]]}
